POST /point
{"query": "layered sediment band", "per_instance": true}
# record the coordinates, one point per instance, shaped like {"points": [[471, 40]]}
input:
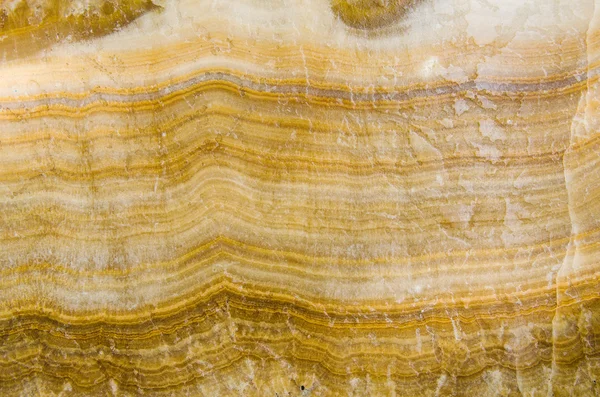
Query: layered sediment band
{"points": [[319, 198]]}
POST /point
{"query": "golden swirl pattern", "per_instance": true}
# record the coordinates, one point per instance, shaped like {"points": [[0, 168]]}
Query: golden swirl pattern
{"points": [[247, 198]]}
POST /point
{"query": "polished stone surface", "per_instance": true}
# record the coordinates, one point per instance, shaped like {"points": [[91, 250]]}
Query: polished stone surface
{"points": [[299, 198]]}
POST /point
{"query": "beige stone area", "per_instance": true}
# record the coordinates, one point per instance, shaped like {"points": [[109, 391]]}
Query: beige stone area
{"points": [[299, 198]]}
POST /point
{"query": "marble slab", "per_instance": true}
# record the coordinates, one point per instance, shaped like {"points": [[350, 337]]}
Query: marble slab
{"points": [[299, 198]]}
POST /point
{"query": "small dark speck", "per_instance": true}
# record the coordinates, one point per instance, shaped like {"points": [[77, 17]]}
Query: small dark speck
{"points": [[302, 387]]}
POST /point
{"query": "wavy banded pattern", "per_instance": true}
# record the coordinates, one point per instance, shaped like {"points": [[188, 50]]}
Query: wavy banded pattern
{"points": [[302, 198]]}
